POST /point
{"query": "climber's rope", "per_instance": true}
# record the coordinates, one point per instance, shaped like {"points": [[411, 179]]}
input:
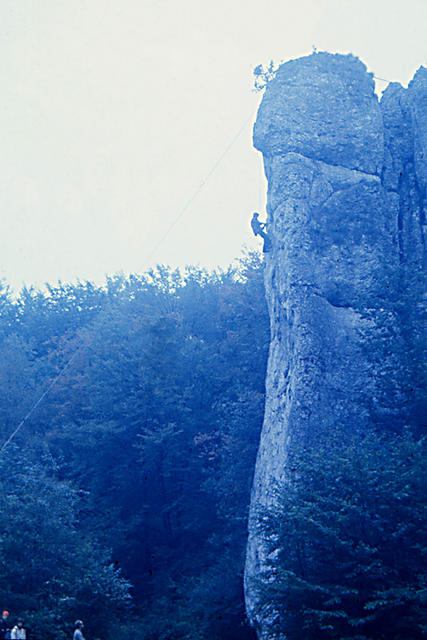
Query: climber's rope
{"points": [[260, 186], [36, 404], [148, 257], [197, 191]]}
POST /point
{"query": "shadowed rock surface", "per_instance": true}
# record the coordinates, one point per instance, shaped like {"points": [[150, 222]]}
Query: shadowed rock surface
{"points": [[346, 206]]}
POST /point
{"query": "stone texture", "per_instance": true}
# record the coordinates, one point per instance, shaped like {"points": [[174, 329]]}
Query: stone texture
{"points": [[417, 96], [346, 191], [324, 107], [405, 162]]}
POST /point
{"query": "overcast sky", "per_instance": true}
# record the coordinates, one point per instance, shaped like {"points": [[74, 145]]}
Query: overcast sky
{"points": [[113, 112]]}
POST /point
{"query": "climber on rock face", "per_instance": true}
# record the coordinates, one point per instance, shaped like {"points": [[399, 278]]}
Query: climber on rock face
{"points": [[258, 229], [257, 226]]}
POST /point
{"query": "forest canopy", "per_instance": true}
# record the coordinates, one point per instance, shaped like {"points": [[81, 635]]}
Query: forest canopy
{"points": [[125, 494]]}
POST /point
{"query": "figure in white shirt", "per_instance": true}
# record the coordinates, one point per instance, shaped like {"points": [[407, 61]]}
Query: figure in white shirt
{"points": [[19, 632]]}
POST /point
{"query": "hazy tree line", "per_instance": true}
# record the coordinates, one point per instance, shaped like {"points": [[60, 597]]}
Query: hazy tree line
{"points": [[124, 497]]}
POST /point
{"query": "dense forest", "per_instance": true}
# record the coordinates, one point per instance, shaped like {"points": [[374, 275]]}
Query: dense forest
{"points": [[125, 493], [130, 420]]}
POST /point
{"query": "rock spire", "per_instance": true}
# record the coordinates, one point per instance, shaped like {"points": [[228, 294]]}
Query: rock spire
{"points": [[347, 179]]}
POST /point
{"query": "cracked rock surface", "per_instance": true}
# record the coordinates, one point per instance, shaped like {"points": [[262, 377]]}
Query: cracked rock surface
{"points": [[347, 184]]}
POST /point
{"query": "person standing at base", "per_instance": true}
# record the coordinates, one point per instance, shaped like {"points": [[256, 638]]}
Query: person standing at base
{"points": [[19, 632], [78, 630], [4, 626]]}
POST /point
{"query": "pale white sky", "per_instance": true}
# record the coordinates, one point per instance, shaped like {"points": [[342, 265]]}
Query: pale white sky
{"points": [[114, 111]]}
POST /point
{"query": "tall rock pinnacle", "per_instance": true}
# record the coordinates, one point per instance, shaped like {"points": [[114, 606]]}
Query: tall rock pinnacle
{"points": [[346, 192]]}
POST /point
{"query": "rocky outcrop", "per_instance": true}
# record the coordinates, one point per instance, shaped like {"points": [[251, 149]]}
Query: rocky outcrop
{"points": [[346, 200]]}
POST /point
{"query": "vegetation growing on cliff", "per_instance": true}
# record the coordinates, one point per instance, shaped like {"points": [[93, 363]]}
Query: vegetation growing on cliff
{"points": [[347, 537], [350, 528], [264, 74]]}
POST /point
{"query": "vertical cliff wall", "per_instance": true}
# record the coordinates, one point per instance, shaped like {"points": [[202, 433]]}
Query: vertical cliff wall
{"points": [[347, 181]]}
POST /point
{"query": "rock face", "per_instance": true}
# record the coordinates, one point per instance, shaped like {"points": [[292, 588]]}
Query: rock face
{"points": [[347, 180]]}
